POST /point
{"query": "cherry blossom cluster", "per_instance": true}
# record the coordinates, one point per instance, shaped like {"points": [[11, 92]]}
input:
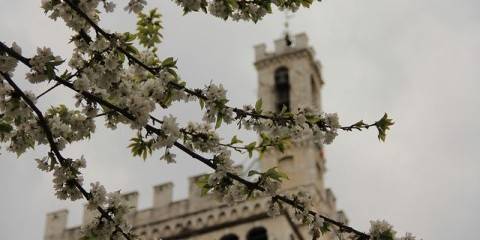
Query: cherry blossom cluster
{"points": [[65, 177], [303, 214], [59, 9], [19, 126], [50, 128], [7, 63], [212, 97], [382, 230], [106, 226], [43, 65], [253, 10], [114, 79]]}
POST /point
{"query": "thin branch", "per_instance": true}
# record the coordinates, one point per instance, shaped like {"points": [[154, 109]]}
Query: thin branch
{"points": [[101, 114], [48, 90]]}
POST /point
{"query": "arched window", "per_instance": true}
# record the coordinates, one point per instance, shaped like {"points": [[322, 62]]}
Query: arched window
{"points": [[282, 89], [229, 237], [258, 233]]}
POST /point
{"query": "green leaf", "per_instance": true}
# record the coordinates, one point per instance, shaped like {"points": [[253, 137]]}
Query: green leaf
{"points": [[284, 110], [139, 147], [253, 172], [325, 228], [235, 140], [202, 183], [281, 147], [276, 174], [359, 124], [169, 63], [382, 126], [128, 37], [258, 106], [5, 127], [219, 120], [250, 147], [131, 49], [148, 29]]}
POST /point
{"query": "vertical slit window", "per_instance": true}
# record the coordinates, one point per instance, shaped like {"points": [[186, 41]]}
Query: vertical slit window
{"points": [[282, 89]]}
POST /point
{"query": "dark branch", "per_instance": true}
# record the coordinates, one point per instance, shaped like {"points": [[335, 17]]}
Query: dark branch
{"points": [[42, 122]]}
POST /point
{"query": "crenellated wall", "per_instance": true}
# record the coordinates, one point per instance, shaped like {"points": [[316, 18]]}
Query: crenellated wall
{"points": [[179, 219]]}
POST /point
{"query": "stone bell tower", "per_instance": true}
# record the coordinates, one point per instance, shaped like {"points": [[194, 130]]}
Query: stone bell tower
{"points": [[290, 77]]}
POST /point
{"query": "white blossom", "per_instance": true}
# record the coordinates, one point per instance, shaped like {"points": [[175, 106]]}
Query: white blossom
{"points": [[316, 226], [64, 176], [76, 61], [102, 228], [99, 45], [171, 130], [329, 136], [235, 193], [42, 164], [215, 104], [380, 229], [273, 208], [168, 156], [140, 108], [193, 5], [82, 83], [72, 19], [42, 65], [111, 61], [332, 120], [7, 63], [210, 140], [109, 6], [135, 6], [98, 196], [271, 186]]}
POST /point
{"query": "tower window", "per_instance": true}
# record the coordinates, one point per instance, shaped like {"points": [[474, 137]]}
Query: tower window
{"points": [[282, 89], [229, 237], [314, 93], [258, 233]]}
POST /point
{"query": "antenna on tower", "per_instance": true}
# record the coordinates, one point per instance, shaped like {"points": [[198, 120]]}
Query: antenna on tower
{"points": [[288, 16]]}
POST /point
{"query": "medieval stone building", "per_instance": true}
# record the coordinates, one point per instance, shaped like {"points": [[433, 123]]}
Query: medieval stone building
{"points": [[288, 76]]}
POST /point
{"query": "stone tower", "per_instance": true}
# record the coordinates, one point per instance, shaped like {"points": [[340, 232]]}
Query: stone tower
{"points": [[288, 76]]}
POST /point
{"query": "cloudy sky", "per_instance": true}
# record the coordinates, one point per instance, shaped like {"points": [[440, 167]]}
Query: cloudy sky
{"points": [[416, 60]]}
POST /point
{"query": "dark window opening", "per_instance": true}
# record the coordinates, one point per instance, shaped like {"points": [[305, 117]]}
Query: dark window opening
{"points": [[258, 233], [229, 237], [282, 89], [314, 92]]}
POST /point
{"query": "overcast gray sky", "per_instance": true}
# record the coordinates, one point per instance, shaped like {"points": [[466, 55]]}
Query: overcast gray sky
{"points": [[416, 60]]}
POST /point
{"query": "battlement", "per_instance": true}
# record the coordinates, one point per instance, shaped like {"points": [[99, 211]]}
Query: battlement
{"points": [[193, 213], [163, 208], [282, 46]]}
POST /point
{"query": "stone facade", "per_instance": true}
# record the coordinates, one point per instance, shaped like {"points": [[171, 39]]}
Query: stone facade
{"points": [[201, 218]]}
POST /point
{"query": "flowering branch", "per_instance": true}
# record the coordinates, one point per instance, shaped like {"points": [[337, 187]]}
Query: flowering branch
{"points": [[65, 163], [129, 96], [221, 111], [212, 163]]}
